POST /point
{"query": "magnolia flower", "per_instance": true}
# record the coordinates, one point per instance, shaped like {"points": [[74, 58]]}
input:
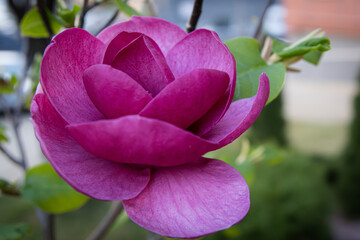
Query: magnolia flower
{"points": [[127, 115]]}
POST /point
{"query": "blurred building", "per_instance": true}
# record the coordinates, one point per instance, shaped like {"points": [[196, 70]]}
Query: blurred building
{"points": [[338, 17]]}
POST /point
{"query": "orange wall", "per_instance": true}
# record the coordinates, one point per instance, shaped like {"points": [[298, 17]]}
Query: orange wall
{"points": [[334, 16]]}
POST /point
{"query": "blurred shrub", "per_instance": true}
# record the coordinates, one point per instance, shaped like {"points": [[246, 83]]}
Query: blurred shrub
{"points": [[349, 173], [289, 198], [270, 125]]}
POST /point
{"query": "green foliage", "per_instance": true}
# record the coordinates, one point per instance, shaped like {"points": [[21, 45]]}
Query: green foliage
{"points": [[35, 78], [270, 125], [3, 137], [14, 232], [44, 188], [67, 15], [125, 8], [289, 196], [33, 26], [310, 48], [349, 179], [314, 44], [8, 188], [249, 66], [8, 86]]}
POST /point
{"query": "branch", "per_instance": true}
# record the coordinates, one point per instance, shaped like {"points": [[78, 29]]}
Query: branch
{"points": [[47, 222], [9, 156], [114, 211], [83, 13], [44, 17], [8, 189], [260, 24], [109, 22], [195, 15]]}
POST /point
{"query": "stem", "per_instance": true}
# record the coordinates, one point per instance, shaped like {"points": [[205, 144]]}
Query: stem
{"points": [[195, 15], [105, 224], [259, 26], [10, 157], [48, 223], [42, 12], [153, 236], [266, 50], [83, 13]]}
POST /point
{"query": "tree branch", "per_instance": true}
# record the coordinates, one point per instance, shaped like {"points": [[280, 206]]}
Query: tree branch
{"points": [[105, 224], [47, 222], [41, 8], [195, 15], [83, 13], [257, 33], [109, 22], [9, 156]]}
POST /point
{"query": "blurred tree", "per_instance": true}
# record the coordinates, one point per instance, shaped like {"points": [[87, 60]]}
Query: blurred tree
{"points": [[271, 125], [349, 174]]}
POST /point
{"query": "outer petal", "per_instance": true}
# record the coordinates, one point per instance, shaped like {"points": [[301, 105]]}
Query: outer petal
{"points": [[240, 116], [192, 200], [164, 33], [86, 173], [65, 59], [188, 98], [139, 140], [113, 92], [143, 61], [203, 49]]}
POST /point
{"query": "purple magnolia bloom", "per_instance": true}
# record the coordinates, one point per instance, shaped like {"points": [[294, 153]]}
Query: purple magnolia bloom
{"points": [[128, 114]]}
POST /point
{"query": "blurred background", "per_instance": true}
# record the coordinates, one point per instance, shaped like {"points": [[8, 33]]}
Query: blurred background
{"points": [[301, 158]]}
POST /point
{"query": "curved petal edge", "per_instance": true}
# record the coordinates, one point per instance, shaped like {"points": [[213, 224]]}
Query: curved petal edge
{"points": [[240, 115], [191, 201], [92, 176]]}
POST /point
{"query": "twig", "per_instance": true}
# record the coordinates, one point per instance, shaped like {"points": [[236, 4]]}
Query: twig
{"points": [[195, 15], [9, 156], [109, 22], [9, 189], [48, 223], [42, 12], [83, 13], [114, 211], [261, 20], [153, 236], [266, 50]]}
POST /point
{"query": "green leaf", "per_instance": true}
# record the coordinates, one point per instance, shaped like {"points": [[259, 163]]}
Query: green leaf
{"points": [[14, 232], [314, 44], [125, 8], [32, 25], [67, 15], [313, 57], [44, 188], [3, 137], [279, 45], [8, 85], [249, 66]]}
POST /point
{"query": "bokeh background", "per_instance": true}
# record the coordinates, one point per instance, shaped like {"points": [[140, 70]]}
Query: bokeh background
{"points": [[301, 158]]}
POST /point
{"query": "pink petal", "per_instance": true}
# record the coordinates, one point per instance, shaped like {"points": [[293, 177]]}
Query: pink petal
{"points": [[113, 92], [143, 61], [139, 140], [86, 173], [164, 33], [117, 44], [203, 49], [65, 59], [188, 98], [190, 201], [240, 116]]}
